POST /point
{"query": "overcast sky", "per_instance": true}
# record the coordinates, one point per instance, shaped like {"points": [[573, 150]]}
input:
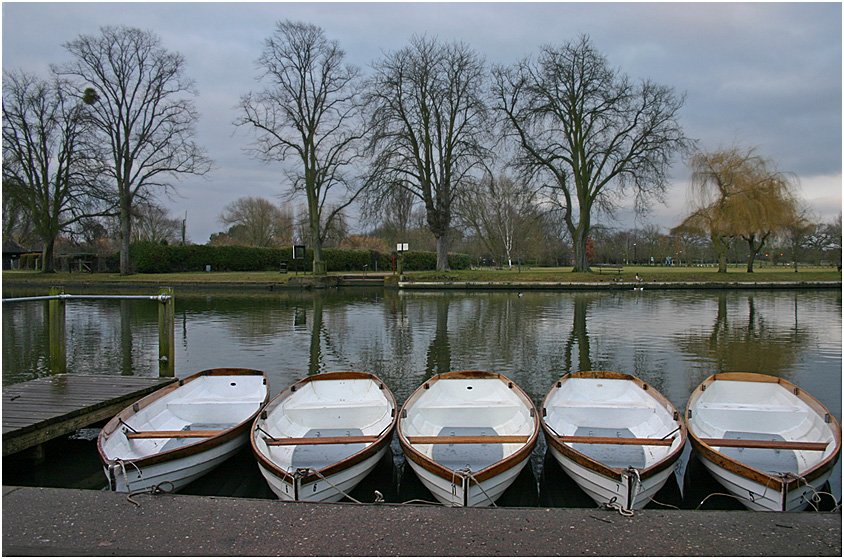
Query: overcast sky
{"points": [[758, 74]]}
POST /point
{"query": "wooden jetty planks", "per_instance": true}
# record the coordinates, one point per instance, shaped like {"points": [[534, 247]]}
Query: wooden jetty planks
{"points": [[42, 409]]}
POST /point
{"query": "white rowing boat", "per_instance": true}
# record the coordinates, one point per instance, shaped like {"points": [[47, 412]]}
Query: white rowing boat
{"points": [[182, 431], [320, 437], [763, 438], [614, 435], [467, 435]]}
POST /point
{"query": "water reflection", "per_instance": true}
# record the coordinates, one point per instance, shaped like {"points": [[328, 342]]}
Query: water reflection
{"points": [[671, 340], [743, 338]]}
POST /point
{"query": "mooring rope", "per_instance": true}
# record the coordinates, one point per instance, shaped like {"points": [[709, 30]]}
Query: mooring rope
{"points": [[468, 471], [154, 490], [122, 463], [613, 504], [325, 479], [815, 499]]}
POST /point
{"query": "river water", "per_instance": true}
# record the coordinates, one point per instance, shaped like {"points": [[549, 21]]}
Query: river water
{"points": [[672, 340]]}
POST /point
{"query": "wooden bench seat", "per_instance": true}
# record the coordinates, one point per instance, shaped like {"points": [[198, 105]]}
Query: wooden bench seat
{"points": [[469, 439], [292, 441], [609, 267], [172, 434], [616, 440], [777, 445]]}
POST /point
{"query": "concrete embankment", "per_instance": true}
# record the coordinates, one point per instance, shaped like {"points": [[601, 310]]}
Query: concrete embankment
{"points": [[617, 286], [66, 522]]}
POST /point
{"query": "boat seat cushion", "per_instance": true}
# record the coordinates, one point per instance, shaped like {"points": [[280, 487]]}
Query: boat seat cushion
{"points": [[473, 456], [611, 455], [323, 455], [767, 460]]}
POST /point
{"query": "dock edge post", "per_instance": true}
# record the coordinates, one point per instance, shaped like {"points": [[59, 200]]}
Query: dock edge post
{"points": [[166, 334], [57, 333]]}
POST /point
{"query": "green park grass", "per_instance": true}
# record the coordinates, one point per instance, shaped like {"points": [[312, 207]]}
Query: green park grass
{"points": [[560, 275]]}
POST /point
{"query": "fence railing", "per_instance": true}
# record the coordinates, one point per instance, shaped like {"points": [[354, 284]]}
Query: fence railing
{"points": [[57, 300]]}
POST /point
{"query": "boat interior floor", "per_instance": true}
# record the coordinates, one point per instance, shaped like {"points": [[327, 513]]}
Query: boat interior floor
{"points": [[323, 455], [611, 455], [473, 456], [764, 459]]}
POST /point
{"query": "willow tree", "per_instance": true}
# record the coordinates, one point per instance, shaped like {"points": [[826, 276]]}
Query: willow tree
{"points": [[597, 137], [309, 117], [736, 193], [429, 118]]}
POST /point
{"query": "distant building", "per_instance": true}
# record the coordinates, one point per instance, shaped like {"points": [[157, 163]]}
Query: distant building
{"points": [[12, 252]]}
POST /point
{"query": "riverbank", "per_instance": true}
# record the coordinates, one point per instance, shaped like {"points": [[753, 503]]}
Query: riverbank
{"points": [[674, 277], [66, 522]]}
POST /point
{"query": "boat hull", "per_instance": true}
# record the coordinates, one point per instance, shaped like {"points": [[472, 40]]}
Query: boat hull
{"points": [[174, 474], [479, 409], [451, 491], [606, 431], [740, 409], [758, 497], [314, 419], [330, 489], [149, 444], [605, 489]]}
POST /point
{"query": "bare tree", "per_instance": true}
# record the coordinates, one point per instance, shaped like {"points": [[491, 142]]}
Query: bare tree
{"points": [[259, 222], [310, 117], [141, 103], [152, 223], [391, 210], [49, 172], [429, 118], [502, 212], [587, 129]]}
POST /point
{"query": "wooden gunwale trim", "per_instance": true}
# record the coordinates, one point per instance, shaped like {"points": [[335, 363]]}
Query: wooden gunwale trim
{"points": [[745, 470], [412, 453], [380, 442], [587, 462], [191, 448]]}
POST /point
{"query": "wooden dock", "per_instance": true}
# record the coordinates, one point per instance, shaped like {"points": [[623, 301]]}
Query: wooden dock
{"points": [[43, 409]]}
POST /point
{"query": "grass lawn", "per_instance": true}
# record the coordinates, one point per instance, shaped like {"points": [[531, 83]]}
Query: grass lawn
{"points": [[564, 275]]}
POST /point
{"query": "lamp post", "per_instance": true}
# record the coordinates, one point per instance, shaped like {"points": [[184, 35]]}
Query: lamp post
{"points": [[401, 248]]}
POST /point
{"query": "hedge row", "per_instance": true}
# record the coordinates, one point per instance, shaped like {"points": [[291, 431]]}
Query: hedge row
{"points": [[154, 258]]}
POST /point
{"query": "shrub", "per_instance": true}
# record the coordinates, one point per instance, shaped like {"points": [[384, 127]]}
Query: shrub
{"points": [[155, 258]]}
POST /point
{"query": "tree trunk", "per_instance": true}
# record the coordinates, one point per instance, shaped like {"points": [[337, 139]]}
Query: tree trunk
{"points": [[580, 238], [48, 258], [125, 236], [442, 253], [750, 260], [320, 268], [581, 260], [754, 249], [721, 247]]}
